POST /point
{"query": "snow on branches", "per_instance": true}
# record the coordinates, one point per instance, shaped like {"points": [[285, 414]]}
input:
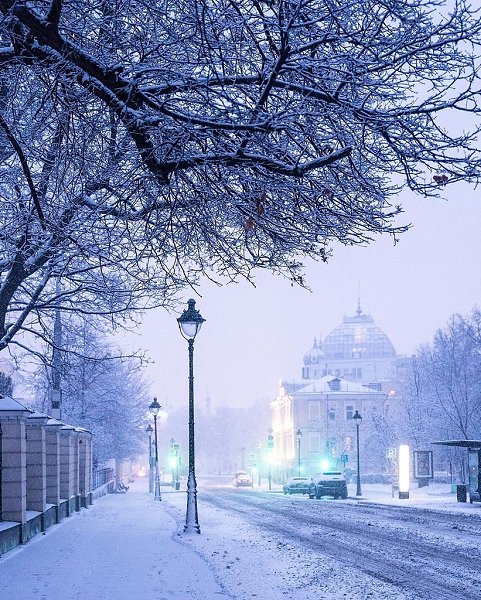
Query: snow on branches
{"points": [[138, 137]]}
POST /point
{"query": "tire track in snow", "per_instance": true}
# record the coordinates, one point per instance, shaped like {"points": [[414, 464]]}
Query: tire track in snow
{"points": [[407, 561]]}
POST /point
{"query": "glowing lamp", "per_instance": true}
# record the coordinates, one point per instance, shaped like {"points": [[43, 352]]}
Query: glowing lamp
{"points": [[324, 464]]}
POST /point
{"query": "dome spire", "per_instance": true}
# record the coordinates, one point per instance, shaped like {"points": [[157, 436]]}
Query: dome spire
{"points": [[359, 309]]}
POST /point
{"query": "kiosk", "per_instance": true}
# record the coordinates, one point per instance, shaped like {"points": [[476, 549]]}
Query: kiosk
{"points": [[474, 464]]}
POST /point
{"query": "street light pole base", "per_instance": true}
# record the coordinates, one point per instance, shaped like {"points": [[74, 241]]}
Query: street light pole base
{"points": [[157, 495], [192, 528], [191, 515]]}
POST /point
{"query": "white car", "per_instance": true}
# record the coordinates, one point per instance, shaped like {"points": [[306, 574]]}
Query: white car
{"points": [[242, 479], [297, 485]]}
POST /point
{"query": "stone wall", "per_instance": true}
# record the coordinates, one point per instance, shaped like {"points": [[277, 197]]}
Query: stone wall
{"points": [[45, 472]]}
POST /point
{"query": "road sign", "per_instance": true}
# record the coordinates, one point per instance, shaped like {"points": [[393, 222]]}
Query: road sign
{"points": [[344, 458], [391, 453]]}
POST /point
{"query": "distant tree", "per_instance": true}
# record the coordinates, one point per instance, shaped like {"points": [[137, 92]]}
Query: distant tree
{"points": [[221, 433], [442, 399], [6, 385], [452, 377], [105, 394], [144, 144]]}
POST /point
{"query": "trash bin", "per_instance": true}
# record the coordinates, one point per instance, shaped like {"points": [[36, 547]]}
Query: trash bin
{"points": [[462, 493], [177, 485]]}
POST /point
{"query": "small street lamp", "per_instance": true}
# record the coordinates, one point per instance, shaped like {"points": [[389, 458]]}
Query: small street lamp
{"points": [[154, 410], [149, 430], [259, 448], [270, 449], [357, 420], [190, 323], [172, 460], [298, 437]]}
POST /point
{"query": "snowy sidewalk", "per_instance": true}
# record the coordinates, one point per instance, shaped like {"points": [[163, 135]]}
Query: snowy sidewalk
{"points": [[124, 548]]}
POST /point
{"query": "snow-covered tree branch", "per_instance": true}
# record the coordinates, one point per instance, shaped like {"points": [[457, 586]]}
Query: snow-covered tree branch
{"points": [[145, 143]]}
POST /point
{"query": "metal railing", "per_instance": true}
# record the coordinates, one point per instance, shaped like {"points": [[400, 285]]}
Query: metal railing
{"points": [[101, 477]]}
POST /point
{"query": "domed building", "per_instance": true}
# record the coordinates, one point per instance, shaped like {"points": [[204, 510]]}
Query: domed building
{"points": [[353, 371], [356, 350]]}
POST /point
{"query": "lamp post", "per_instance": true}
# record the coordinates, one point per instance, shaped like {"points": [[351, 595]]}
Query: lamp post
{"points": [[298, 437], [270, 449], [357, 420], [259, 448], [149, 430], [154, 410], [172, 460], [190, 323]]}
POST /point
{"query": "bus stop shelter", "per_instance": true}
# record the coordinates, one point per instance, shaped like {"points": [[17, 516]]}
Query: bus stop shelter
{"points": [[474, 465]]}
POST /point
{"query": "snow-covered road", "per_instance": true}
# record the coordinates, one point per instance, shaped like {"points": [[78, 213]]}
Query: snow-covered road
{"points": [[254, 544], [344, 549]]}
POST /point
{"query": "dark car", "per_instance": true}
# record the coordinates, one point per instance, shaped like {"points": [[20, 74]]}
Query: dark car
{"points": [[329, 483], [241, 478], [297, 485]]}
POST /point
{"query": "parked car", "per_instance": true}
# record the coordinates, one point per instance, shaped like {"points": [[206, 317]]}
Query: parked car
{"points": [[297, 485], [329, 483], [241, 478]]}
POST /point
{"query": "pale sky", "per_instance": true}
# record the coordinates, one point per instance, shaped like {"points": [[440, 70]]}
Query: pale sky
{"points": [[253, 337]]}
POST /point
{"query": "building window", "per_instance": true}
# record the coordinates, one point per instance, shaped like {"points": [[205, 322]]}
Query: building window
{"points": [[314, 441], [347, 444], [314, 411], [335, 384], [332, 414], [349, 412]]}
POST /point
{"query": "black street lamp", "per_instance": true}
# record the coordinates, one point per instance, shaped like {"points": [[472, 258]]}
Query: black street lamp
{"points": [[357, 420], [154, 410], [190, 323], [298, 437], [149, 430]]}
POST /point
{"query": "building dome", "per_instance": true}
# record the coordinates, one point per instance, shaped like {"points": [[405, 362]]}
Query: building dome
{"points": [[315, 355], [357, 337]]}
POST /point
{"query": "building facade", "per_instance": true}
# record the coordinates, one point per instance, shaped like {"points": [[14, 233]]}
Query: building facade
{"points": [[354, 369]]}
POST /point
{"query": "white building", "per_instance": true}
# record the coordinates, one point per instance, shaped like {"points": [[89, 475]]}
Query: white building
{"points": [[354, 369]]}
